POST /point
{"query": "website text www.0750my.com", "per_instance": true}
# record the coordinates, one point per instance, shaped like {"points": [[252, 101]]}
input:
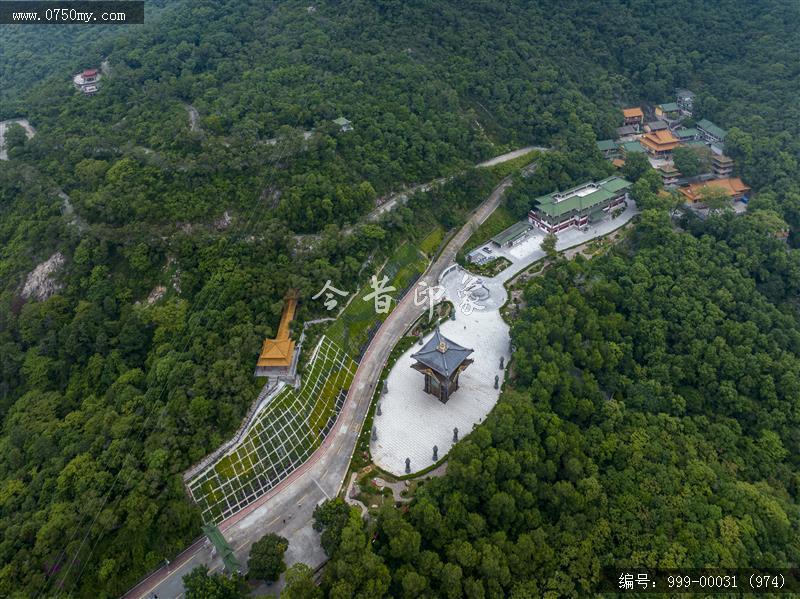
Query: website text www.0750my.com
{"points": [[67, 15], [71, 12]]}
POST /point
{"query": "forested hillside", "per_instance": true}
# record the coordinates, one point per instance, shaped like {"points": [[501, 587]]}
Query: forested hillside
{"points": [[184, 240], [651, 422]]}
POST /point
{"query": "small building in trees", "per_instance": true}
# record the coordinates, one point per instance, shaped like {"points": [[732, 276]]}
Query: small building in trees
{"points": [[687, 134], [669, 174], [344, 124], [441, 360], [608, 147], [627, 131], [722, 165], [734, 188], [87, 81], [589, 202], [656, 126], [668, 110], [659, 144], [632, 147], [633, 116], [685, 100]]}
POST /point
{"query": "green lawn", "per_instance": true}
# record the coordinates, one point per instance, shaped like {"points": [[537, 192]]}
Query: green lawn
{"points": [[499, 220], [432, 241], [350, 330]]}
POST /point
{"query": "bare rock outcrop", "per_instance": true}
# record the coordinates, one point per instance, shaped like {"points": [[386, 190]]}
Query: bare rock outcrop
{"points": [[41, 282]]}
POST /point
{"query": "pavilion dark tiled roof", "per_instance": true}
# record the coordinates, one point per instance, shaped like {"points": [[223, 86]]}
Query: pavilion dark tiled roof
{"points": [[441, 354]]}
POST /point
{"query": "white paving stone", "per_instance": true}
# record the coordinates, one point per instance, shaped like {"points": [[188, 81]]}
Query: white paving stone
{"points": [[412, 421]]}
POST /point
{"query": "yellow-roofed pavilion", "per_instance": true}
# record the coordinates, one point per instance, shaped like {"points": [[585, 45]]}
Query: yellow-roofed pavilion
{"points": [[279, 352]]}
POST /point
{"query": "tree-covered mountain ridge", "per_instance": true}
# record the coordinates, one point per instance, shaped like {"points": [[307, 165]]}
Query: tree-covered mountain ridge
{"points": [[430, 87]]}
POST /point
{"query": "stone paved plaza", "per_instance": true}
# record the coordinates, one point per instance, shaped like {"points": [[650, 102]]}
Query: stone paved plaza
{"points": [[412, 421]]}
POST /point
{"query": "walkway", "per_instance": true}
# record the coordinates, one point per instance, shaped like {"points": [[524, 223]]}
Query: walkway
{"points": [[391, 201]]}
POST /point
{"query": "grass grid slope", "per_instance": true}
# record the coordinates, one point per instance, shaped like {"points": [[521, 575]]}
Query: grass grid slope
{"points": [[280, 439], [294, 423]]}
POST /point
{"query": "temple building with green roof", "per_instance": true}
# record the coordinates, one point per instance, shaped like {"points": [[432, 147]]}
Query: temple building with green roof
{"points": [[587, 203], [710, 132]]}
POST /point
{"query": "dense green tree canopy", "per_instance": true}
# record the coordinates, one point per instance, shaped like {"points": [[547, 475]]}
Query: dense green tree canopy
{"points": [[266, 558], [651, 421], [179, 244], [200, 584]]}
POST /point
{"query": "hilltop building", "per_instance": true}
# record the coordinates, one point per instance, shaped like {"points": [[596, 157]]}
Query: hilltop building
{"points": [[278, 355], [633, 116], [627, 131], [668, 110], [687, 135], [721, 165], [441, 361], [656, 126], [608, 147], [631, 147], [344, 124], [685, 100], [87, 81], [669, 174], [589, 202]]}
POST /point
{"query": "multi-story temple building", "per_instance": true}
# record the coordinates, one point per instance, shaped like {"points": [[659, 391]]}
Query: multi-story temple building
{"points": [[659, 143], [590, 202], [87, 81]]}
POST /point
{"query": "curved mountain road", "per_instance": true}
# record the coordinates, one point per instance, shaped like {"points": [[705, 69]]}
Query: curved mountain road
{"points": [[287, 509]]}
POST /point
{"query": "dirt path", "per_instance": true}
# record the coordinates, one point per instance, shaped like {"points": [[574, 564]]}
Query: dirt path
{"points": [[29, 131], [69, 212]]}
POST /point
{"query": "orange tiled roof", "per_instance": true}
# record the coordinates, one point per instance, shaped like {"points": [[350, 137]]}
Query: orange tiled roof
{"points": [[733, 187], [278, 352], [632, 112], [660, 141], [618, 162]]}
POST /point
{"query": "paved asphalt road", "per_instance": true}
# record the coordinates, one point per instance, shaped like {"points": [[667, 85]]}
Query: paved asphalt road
{"points": [[287, 509]]}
